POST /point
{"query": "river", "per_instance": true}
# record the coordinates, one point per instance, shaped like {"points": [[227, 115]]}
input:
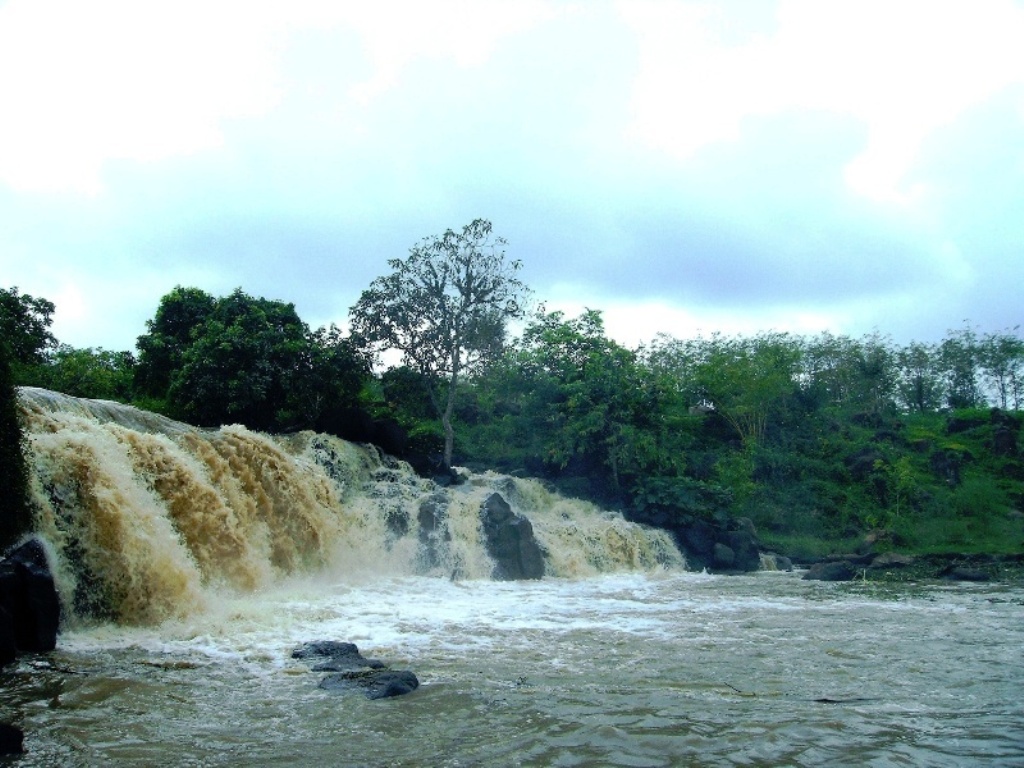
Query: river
{"points": [[627, 669]]}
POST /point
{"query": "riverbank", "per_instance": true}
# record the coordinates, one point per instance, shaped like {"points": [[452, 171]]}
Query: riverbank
{"points": [[897, 568]]}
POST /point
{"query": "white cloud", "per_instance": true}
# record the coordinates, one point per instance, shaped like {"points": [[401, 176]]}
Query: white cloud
{"points": [[84, 83], [397, 33], [901, 69]]}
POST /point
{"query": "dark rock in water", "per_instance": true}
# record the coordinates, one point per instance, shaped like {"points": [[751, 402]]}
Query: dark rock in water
{"points": [[317, 648], [334, 656], [11, 740], [745, 546], [350, 670], [699, 539], [376, 684], [510, 541], [28, 596], [840, 570], [782, 563], [892, 560], [964, 573], [433, 531], [723, 555]]}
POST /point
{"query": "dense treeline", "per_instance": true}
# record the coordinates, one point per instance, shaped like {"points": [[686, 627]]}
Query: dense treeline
{"points": [[816, 439]]}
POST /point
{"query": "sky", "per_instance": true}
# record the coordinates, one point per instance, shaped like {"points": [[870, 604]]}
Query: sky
{"points": [[684, 167]]}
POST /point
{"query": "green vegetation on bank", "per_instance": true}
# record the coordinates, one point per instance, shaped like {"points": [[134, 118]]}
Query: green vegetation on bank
{"points": [[821, 441]]}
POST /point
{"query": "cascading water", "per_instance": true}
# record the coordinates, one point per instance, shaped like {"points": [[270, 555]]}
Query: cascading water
{"points": [[148, 518]]}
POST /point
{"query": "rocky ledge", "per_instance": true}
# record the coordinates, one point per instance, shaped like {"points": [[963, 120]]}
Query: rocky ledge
{"points": [[898, 567]]}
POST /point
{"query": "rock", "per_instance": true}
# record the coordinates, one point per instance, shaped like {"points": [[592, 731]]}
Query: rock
{"points": [[964, 573], [510, 542], [28, 595], [350, 670], [853, 558], [334, 656], [840, 570], [723, 555], [376, 684], [777, 562], [890, 560], [1004, 441], [699, 539], [946, 464], [863, 463], [12, 740], [433, 530], [745, 546]]}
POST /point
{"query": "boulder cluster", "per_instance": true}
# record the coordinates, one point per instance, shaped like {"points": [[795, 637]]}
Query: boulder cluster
{"points": [[349, 670]]}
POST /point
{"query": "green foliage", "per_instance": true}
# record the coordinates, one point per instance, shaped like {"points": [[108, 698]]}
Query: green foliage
{"points": [[25, 329], [15, 513], [662, 499], [980, 498], [247, 360], [170, 333], [240, 364], [93, 373]]}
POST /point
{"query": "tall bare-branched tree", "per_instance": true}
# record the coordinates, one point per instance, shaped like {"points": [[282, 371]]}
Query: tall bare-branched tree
{"points": [[444, 308]]}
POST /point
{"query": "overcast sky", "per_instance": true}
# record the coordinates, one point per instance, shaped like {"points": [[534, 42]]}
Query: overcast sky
{"points": [[684, 167]]}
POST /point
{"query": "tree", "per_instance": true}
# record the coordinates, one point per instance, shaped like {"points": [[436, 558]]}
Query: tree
{"points": [[329, 381], [1002, 360], [94, 373], [746, 380], [25, 326], [241, 363], [600, 408], [958, 354], [444, 308], [919, 378], [170, 333]]}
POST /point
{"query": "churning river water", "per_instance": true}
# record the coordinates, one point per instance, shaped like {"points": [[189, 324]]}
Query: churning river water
{"points": [[663, 668]]}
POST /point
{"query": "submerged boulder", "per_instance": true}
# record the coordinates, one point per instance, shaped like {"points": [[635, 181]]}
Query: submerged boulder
{"points": [[351, 671], [510, 541], [375, 684], [29, 606]]}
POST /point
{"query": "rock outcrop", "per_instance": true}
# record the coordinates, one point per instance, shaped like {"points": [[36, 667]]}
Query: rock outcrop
{"points": [[510, 541], [29, 606], [836, 570]]}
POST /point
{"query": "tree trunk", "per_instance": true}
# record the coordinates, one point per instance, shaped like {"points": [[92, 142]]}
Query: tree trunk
{"points": [[449, 437]]}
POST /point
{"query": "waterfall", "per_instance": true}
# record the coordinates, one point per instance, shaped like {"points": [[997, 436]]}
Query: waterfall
{"points": [[149, 519]]}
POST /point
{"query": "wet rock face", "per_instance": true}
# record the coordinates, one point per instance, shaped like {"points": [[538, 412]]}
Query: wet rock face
{"points": [[29, 606], [510, 542], [433, 528]]}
